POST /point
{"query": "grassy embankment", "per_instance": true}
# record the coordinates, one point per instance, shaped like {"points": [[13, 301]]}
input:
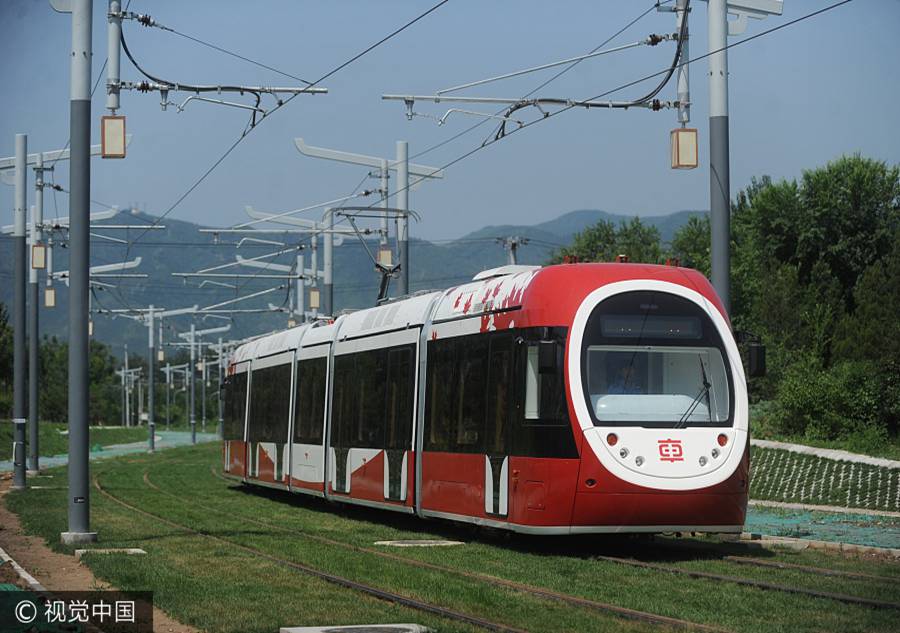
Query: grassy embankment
{"points": [[779, 475], [221, 589], [53, 441]]}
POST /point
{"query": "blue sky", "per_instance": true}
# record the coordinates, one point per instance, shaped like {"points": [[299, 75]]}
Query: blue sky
{"points": [[799, 97]]}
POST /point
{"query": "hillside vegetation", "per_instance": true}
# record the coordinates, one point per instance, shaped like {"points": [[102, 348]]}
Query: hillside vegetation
{"points": [[816, 275]]}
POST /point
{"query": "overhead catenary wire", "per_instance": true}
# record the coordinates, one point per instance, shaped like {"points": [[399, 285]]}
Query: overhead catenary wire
{"points": [[233, 54], [491, 141], [592, 103], [246, 132], [546, 82], [666, 72]]}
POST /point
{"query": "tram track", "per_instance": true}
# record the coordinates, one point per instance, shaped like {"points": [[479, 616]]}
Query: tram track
{"points": [[334, 579], [538, 592], [670, 544], [758, 584], [747, 560], [741, 560]]}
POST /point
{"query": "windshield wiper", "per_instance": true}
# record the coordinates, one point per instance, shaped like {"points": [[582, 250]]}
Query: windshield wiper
{"points": [[704, 392]]}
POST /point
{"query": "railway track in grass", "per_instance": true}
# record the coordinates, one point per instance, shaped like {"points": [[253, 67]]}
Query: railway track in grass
{"points": [[759, 562], [769, 586], [537, 592], [747, 560], [759, 584], [334, 579], [750, 561]]}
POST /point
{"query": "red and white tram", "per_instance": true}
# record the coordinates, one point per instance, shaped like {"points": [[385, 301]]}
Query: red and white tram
{"points": [[568, 399]]}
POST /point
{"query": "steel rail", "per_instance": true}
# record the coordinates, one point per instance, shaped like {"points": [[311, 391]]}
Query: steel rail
{"points": [[759, 584], [334, 579], [747, 560], [683, 623], [623, 612], [725, 547]]}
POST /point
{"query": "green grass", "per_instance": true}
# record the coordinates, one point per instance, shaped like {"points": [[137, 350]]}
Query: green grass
{"points": [[219, 588], [889, 449], [53, 441], [761, 427], [779, 475]]}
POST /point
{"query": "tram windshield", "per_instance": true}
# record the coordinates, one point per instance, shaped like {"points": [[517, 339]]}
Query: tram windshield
{"points": [[656, 360]]}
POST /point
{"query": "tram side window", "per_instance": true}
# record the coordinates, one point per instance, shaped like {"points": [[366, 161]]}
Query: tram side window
{"points": [[400, 383], [235, 407], [309, 412], [541, 423], [457, 399], [486, 394], [346, 403], [373, 398], [498, 394], [270, 392], [371, 374], [470, 409], [442, 401], [545, 395]]}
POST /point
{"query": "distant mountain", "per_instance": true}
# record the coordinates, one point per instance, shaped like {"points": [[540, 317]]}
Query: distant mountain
{"points": [[180, 248], [562, 229]]}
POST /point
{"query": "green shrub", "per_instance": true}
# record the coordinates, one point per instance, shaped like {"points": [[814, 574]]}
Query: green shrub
{"points": [[840, 403]]}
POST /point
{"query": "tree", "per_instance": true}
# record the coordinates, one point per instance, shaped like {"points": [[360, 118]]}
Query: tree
{"points": [[851, 211], [603, 242], [6, 363], [691, 244], [639, 241], [105, 405], [53, 387], [872, 331], [596, 243], [842, 215]]}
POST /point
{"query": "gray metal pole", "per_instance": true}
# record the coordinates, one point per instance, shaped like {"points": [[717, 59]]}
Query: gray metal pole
{"points": [[314, 265], [384, 201], [33, 366], [168, 395], [403, 221], [192, 374], [151, 385], [34, 344], [221, 425], [328, 261], [719, 176], [113, 46], [79, 275], [300, 301], [202, 388], [19, 370], [513, 248], [123, 395], [683, 74], [127, 390]]}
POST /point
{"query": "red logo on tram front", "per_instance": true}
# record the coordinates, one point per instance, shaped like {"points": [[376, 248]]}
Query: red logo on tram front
{"points": [[670, 451]]}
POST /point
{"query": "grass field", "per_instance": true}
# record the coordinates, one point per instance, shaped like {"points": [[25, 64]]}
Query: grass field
{"points": [[53, 441], [220, 588]]}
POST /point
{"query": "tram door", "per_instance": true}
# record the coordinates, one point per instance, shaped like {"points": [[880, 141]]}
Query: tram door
{"points": [[234, 414]]}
